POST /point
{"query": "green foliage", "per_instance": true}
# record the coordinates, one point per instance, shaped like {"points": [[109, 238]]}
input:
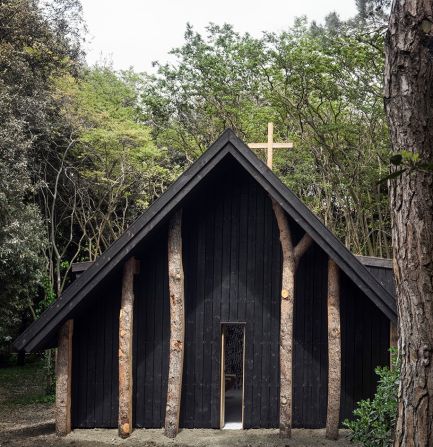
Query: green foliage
{"points": [[375, 419], [406, 161], [34, 48], [111, 165]]}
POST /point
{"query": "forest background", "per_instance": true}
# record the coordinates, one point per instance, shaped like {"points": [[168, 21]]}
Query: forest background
{"points": [[84, 150]]}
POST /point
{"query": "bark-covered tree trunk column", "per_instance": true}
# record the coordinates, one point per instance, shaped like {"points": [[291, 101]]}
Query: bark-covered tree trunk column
{"points": [[291, 258], [334, 351], [64, 379], [409, 106], [126, 322], [177, 325]]}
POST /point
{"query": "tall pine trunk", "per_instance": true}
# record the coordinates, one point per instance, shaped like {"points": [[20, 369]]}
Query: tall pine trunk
{"points": [[409, 106]]}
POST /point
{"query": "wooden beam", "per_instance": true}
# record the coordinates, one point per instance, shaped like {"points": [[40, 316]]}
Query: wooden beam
{"points": [[177, 325], [269, 158], [222, 380], [64, 379], [126, 322], [334, 351], [274, 145]]}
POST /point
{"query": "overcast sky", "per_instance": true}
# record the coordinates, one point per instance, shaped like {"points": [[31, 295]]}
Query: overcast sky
{"points": [[137, 32]]}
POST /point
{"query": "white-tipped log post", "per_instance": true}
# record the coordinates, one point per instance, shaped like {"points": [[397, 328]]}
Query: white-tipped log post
{"points": [[177, 325], [126, 321], [334, 351], [291, 257], [64, 379]]}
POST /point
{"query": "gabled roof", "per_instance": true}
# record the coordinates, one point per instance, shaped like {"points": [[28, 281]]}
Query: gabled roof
{"points": [[41, 331]]}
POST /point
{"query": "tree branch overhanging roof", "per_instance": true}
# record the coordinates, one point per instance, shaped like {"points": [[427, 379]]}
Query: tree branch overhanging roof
{"points": [[42, 330]]}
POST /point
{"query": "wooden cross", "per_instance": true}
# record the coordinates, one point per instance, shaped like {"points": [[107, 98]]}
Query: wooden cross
{"points": [[270, 145]]}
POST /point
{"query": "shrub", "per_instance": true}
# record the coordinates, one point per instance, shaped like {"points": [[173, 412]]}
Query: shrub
{"points": [[374, 422]]}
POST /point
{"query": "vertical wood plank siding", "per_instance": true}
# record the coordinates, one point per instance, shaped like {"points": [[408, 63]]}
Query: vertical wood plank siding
{"points": [[95, 366], [310, 355], [151, 335], [364, 345], [232, 264]]}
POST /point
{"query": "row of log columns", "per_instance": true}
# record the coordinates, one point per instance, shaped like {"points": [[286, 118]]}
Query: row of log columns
{"points": [[177, 325], [291, 258], [126, 321], [63, 379], [334, 351]]}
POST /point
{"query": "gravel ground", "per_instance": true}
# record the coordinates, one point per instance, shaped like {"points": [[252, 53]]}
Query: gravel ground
{"points": [[43, 435]]}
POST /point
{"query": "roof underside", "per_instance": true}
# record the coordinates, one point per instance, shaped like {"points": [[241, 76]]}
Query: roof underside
{"points": [[38, 335]]}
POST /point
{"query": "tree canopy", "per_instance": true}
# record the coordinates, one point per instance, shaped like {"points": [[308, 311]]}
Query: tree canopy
{"points": [[320, 85]]}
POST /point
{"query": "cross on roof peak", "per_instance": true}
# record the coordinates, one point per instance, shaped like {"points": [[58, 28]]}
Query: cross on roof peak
{"points": [[270, 145]]}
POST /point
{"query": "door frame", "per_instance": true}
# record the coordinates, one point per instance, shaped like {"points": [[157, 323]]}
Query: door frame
{"points": [[222, 375]]}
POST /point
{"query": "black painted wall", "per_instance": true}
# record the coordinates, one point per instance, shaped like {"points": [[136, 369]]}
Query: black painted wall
{"points": [[232, 264], [365, 344], [310, 332], [95, 367], [151, 335]]}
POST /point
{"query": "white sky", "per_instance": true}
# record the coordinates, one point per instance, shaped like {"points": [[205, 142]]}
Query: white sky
{"points": [[137, 32]]}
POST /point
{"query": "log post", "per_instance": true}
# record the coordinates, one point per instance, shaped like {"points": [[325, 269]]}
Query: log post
{"points": [[291, 258], [126, 320], [64, 379], [177, 325], [334, 351]]}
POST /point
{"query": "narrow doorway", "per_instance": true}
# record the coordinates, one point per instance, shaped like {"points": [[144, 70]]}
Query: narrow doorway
{"points": [[232, 375]]}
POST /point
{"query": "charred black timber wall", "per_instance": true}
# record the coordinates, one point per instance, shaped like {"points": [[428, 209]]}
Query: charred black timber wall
{"points": [[95, 366], [232, 263], [151, 335], [365, 344]]}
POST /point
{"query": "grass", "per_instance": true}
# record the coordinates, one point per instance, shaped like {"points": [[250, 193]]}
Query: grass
{"points": [[24, 385]]}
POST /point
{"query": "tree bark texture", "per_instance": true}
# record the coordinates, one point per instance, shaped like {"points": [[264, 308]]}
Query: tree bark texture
{"points": [[126, 321], [334, 351], [409, 106], [177, 325], [64, 379], [291, 257]]}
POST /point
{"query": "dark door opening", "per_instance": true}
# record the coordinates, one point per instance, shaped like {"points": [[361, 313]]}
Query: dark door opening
{"points": [[232, 375]]}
